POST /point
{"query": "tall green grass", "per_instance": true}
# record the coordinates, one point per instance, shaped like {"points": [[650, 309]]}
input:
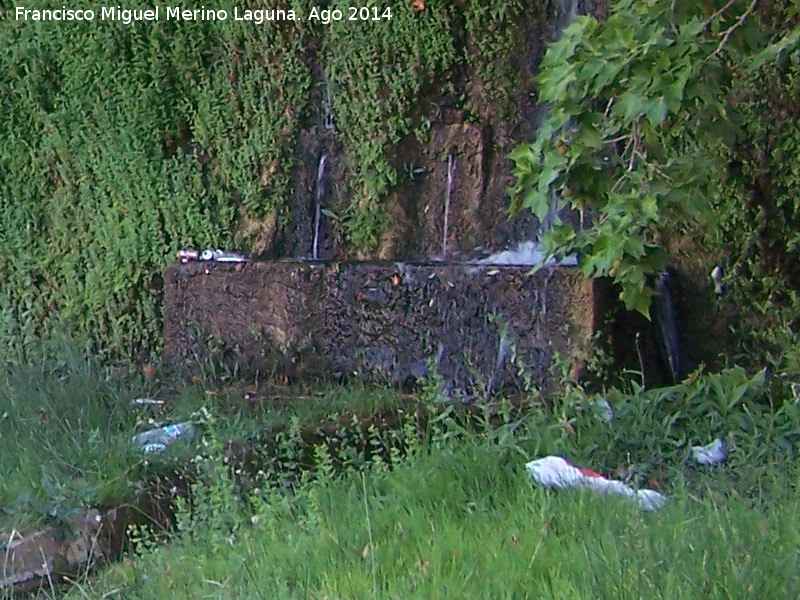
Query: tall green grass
{"points": [[459, 519], [455, 515], [66, 425]]}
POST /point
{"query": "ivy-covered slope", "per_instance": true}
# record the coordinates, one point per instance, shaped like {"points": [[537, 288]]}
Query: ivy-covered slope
{"points": [[120, 144]]}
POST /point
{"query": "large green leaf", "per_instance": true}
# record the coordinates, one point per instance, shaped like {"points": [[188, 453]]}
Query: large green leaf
{"points": [[656, 110]]}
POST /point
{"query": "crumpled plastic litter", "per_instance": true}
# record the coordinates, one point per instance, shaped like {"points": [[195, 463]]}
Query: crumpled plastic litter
{"points": [[222, 256], [710, 454], [155, 441], [186, 255], [603, 409], [147, 402], [211, 255], [556, 473], [717, 276]]}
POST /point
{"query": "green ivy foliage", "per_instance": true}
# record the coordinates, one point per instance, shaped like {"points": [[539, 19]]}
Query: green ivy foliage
{"points": [[496, 30], [120, 144], [766, 166], [759, 215], [641, 126]]}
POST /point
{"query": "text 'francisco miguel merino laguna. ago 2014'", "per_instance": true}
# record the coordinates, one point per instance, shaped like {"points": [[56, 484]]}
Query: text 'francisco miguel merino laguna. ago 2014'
{"points": [[178, 13]]}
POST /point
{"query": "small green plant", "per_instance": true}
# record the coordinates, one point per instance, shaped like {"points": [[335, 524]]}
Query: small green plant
{"points": [[433, 386], [215, 505], [141, 539]]}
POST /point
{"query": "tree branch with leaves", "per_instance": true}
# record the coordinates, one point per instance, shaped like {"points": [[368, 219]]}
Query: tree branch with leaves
{"points": [[654, 153]]}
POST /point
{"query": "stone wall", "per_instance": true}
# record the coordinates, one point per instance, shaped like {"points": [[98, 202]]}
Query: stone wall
{"points": [[378, 321]]}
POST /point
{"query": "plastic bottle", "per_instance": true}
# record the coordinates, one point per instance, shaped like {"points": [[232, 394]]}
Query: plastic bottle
{"points": [[157, 440]]}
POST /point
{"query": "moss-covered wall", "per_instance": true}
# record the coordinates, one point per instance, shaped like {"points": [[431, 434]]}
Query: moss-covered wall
{"points": [[121, 143]]}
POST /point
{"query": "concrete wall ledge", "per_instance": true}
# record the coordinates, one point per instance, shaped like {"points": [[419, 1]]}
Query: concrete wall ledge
{"points": [[379, 321]]}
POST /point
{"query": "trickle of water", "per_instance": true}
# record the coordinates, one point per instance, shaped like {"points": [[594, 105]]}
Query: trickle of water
{"points": [[451, 165], [504, 348], [666, 319], [327, 106], [551, 217], [565, 11], [323, 163]]}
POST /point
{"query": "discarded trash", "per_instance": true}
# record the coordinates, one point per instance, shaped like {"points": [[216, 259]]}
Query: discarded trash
{"points": [[556, 473], [153, 448], [210, 254], [716, 276], [711, 454], [156, 441], [187, 255], [148, 402], [650, 500], [222, 256], [603, 409], [796, 392]]}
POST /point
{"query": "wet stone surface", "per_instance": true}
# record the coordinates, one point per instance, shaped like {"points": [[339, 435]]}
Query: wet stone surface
{"points": [[387, 322], [32, 561]]}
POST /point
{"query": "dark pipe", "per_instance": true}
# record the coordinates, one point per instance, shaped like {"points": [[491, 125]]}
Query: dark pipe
{"points": [[666, 323]]}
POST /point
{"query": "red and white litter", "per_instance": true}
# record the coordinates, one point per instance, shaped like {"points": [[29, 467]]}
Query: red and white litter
{"points": [[556, 473]]}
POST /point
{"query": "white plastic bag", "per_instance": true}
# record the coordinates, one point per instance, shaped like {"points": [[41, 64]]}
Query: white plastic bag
{"points": [[711, 454], [556, 473]]}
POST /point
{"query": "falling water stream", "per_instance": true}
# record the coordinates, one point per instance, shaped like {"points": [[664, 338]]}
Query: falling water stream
{"points": [[327, 105], [665, 318], [320, 189], [565, 13], [451, 165]]}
